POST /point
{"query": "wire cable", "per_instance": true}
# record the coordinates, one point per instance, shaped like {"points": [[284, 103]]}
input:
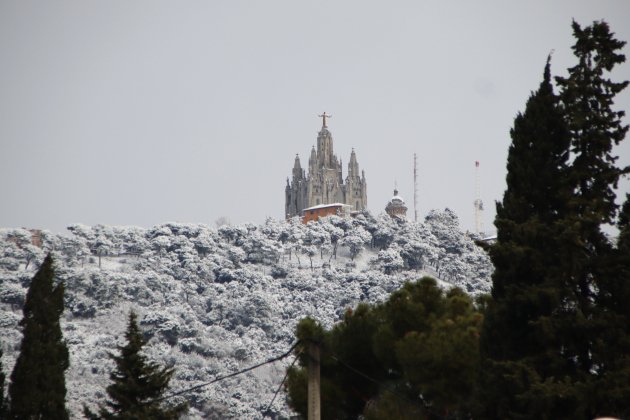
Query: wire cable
{"points": [[281, 383], [221, 378], [358, 372], [386, 387]]}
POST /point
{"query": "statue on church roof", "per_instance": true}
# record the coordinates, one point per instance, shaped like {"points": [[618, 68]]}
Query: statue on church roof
{"points": [[323, 117]]}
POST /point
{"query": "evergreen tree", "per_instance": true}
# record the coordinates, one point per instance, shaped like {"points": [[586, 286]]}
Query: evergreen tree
{"points": [[137, 383], [516, 342], [2, 377], [610, 391], [587, 95], [38, 388], [553, 339], [416, 354]]}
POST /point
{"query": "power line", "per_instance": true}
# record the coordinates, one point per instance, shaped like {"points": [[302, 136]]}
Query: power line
{"points": [[231, 375], [358, 372], [281, 383], [387, 387]]}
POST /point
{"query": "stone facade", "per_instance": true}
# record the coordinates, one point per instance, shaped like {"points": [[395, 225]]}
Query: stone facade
{"points": [[324, 183]]}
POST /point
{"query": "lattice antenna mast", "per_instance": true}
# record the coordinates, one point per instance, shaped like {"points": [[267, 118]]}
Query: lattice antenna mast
{"points": [[478, 204], [415, 188]]}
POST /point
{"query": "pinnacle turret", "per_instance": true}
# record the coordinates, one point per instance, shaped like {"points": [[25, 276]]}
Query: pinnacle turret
{"points": [[298, 173], [353, 165]]}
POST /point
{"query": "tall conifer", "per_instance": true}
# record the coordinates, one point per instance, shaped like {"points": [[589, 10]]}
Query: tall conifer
{"points": [[610, 388], [2, 377], [583, 322], [516, 342], [554, 340], [136, 383], [38, 388]]}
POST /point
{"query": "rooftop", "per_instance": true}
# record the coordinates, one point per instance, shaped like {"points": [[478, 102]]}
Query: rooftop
{"points": [[323, 206]]}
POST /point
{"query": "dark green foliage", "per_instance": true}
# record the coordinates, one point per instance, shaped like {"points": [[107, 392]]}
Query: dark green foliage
{"points": [[611, 351], [137, 383], [517, 342], [38, 388], [391, 406], [555, 338], [593, 326], [588, 95], [380, 358], [309, 329], [2, 377], [441, 362]]}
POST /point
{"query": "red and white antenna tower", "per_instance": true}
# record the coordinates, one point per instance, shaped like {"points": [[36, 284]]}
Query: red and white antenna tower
{"points": [[478, 204], [415, 188]]}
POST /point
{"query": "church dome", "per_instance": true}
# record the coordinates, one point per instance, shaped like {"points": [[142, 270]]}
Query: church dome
{"points": [[397, 198], [396, 206]]}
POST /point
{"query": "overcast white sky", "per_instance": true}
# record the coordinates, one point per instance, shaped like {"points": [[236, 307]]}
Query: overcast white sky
{"points": [[143, 112]]}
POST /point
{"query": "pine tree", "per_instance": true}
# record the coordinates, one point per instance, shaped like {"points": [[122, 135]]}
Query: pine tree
{"points": [[418, 351], [516, 342], [137, 383], [38, 388]]}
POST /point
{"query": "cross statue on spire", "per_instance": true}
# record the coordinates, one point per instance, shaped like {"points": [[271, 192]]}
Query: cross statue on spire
{"points": [[324, 116]]}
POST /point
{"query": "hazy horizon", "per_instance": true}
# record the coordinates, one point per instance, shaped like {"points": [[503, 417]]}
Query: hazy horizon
{"points": [[145, 112]]}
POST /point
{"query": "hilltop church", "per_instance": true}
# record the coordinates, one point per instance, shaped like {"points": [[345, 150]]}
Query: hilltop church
{"points": [[324, 183]]}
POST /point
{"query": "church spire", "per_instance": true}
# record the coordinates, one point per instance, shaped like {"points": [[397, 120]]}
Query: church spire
{"points": [[297, 168], [353, 166], [324, 182], [312, 162]]}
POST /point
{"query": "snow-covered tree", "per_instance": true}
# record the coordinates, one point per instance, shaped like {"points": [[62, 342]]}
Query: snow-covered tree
{"points": [[355, 240]]}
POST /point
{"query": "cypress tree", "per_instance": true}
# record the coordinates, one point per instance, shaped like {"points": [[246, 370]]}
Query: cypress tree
{"points": [[2, 377], [554, 341], [587, 95], [137, 383], [38, 388], [517, 342], [610, 390]]}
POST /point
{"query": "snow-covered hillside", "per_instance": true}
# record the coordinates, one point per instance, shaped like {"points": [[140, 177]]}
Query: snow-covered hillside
{"points": [[216, 301]]}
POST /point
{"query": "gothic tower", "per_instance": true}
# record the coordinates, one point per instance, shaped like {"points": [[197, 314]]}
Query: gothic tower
{"points": [[324, 183]]}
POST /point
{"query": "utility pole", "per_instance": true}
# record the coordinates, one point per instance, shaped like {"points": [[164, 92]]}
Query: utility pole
{"points": [[314, 408]]}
